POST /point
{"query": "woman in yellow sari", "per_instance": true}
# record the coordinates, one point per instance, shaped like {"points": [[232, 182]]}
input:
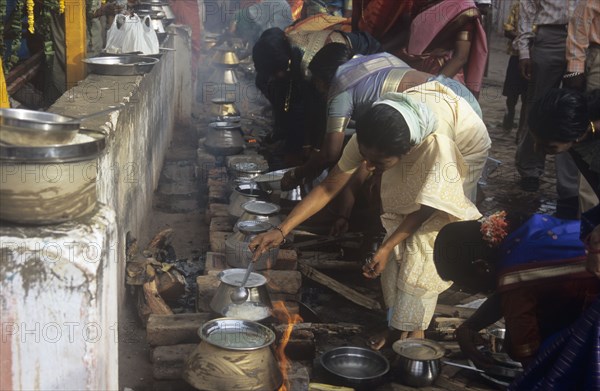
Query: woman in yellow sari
{"points": [[427, 156]]}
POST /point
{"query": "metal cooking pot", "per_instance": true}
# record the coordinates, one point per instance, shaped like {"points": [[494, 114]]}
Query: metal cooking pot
{"points": [[257, 292], [237, 253], [260, 211], [243, 193], [417, 363], [225, 56], [233, 355], [224, 138], [225, 110], [244, 172], [30, 128], [355, 367]]}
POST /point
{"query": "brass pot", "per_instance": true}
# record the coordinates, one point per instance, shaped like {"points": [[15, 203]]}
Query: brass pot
{"points": [[225, 110], [223, 75], [233, 355], [225, 56]]}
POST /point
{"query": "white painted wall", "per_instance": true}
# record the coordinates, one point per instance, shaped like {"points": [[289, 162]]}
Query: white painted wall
{"points": [[62, 286]]}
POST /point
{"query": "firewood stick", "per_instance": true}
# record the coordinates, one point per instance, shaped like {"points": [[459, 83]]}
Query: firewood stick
{"points": [[338, 287]]}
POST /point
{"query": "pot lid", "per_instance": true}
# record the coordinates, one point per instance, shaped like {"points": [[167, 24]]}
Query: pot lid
{"points": [[261, 208], [247, 168], [222, 101], [86, 145], [419, 349], [234, 277], [236, 334], [273, 176], [253, 227], [224, 125]]}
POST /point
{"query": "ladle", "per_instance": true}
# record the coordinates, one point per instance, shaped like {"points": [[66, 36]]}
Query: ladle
{"points": [[240, 294], [86, 116]]}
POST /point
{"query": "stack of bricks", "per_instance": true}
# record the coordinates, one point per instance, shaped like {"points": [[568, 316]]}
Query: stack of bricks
{"points": [[283, 279]]}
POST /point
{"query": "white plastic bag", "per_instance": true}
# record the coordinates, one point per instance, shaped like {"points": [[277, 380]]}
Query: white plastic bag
{"points": [[131, 34]]}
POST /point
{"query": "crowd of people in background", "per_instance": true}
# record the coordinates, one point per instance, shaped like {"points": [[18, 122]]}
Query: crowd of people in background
{"points": [[386, 117]]}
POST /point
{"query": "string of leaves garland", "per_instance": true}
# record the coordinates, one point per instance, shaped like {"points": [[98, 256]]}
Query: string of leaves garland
{"points": [[39, 15]]}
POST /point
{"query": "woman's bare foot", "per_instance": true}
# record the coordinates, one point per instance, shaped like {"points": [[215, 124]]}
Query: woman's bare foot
{"points": [[387, 337]]}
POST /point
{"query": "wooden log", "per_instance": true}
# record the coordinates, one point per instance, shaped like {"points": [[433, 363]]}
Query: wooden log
{"points": [[170, 284], [453, 311], [168, 361], [327, 261], [327, 387], [300, 346], [162, 330], [323, 328], [153, 299], [338, 287], [443, 323], [161, 240]]}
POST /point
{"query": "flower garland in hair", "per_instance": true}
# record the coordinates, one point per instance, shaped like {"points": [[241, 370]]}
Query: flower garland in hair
{"points": [[30, 17], [494, 228], [61, 6]]}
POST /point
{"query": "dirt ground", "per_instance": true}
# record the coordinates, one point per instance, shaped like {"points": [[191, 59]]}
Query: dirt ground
{"points": [[180, 203]]}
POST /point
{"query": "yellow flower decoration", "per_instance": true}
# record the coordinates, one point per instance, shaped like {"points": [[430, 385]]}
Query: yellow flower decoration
{"points": [[30, 17], [61, 6]]}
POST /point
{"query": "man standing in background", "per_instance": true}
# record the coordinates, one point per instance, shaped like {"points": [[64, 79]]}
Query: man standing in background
{"points": [[542, 61], [583, 66]]}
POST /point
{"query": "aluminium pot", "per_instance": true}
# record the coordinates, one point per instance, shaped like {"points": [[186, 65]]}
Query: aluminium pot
{"points": [[257, 292], [233, 355], [237, 253], [224, 138], [260, 211], [243, 193]]}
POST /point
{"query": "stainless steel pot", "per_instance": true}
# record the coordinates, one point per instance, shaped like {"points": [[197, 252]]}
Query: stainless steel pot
{"points": [[417, 363], [237, 253], [243, 193], [233, 355], [224, 138], [260, 211], [258, 295], [245, 171]]}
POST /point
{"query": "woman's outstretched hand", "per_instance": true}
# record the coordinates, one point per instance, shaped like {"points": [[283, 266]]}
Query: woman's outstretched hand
{"points": [[374, 268], [265, 242]]}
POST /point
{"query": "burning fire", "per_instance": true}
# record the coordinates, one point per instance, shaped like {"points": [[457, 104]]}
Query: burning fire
{"points": [[281, 313]]}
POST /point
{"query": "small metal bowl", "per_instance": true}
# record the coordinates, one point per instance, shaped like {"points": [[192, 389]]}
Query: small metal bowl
{"points": [[355, 367]]}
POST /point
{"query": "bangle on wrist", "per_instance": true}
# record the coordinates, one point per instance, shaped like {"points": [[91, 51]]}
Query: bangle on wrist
{"points": [[571, 74], [282, 234]]}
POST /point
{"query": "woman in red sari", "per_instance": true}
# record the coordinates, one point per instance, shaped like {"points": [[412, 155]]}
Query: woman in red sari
{"points": [[448, 39]]}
